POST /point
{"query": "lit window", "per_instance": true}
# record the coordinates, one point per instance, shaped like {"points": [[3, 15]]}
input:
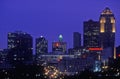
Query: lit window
{"points": [[15, 59], [102, 20], [112, 20], [113, 28], [15, 55]]}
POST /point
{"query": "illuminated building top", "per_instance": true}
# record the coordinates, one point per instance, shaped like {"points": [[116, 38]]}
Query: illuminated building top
{"points": [[59, 46], [107, 17], [41, 36], [60, 37], [106, 11]]}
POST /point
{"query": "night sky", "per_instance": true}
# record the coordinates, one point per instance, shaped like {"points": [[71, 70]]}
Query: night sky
{"points": [[52, 17]]}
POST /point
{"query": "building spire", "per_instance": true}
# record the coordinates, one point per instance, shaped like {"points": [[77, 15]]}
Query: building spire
{"points": [[106, 11], [60, 38]]}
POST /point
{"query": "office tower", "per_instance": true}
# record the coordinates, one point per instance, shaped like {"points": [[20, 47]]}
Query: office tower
{"points": [[20, 45], [76, 40], [41, 45], [91, 34], [59, 46], [3, 54], [107, 30]]}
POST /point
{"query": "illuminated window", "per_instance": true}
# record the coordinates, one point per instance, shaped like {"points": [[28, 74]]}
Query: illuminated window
{"points": [[113, 28], [102, 20], [112, 20], [114, 53], [22, 58], [102, 29], [15, 55], [15, 59], [113, 24], [56, 44]]}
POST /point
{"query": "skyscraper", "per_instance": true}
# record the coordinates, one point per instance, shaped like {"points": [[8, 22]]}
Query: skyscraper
{"points": [[3, 54], [107, 30], [91, 34], [41, 45], [59, 46], [20, 45], [76, 40]]}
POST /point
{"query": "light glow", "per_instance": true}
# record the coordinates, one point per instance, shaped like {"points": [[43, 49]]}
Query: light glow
{"points": [[113, 28], [114, 53], [95, 49], [102, 28], [102, 24]]}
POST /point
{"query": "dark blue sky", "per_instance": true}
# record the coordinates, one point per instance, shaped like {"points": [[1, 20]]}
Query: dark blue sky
{"points": [[52, 17]]}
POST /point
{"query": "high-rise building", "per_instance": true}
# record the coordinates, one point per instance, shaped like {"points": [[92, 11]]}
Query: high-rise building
{"points": [[76, 40], [20, 45], [41, 45], [91, 34], [59, 46], [3, 54], [107, 30]]}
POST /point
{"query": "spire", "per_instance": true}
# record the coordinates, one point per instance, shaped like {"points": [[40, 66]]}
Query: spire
{"points": [[60, 38], [106, 11]]}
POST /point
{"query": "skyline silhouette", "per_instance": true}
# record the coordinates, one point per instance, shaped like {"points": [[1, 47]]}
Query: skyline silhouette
{"points": [[51, 18]]}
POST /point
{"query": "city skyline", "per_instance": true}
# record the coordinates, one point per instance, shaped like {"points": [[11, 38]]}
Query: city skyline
{"points": [[59, 39], [63, 19]]}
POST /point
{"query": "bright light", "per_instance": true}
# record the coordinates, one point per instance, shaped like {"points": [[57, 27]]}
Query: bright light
{"points": [[60, 37], [95, 49], [52, 72]]}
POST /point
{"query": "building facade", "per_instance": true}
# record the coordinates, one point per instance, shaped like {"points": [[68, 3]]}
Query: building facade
{"points": [[20, 45], [59, 46], [76, 40], [41, 45], [107, 30], [91, 34]]}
